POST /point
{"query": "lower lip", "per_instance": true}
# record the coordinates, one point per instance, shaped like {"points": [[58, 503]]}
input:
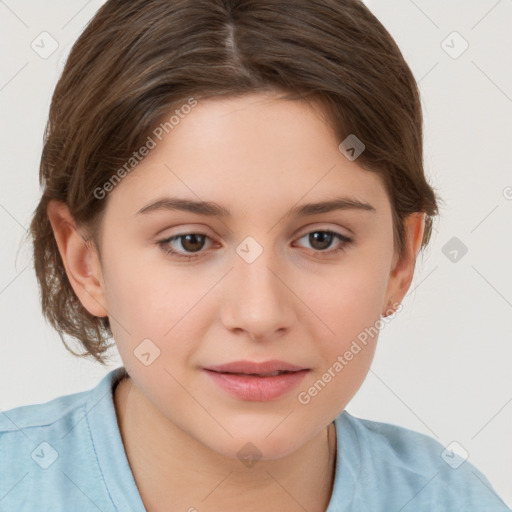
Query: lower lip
{"points": [[247, 387]]}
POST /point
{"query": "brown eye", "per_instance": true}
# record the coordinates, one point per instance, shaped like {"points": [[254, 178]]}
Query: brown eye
{"points": [[321, 240], [190, 243]]}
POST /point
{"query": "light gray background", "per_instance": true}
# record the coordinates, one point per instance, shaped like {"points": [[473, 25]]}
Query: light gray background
{"points": [[442, 366]]}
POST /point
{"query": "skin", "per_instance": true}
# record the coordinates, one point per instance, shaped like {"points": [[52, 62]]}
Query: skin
{"points": [[259, 156]]}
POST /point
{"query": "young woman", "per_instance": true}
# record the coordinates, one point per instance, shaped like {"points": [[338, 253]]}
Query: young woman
{"points": [[233, 192]]}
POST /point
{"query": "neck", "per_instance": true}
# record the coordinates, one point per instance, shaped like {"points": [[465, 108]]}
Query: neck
{"points": [[174, 470]]}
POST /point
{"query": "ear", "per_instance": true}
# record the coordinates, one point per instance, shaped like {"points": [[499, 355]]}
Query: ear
{"points": [[402, 270], [80, 259]]}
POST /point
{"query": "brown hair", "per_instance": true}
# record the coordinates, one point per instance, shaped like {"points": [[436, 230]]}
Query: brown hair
{"points": [[137, 60]]}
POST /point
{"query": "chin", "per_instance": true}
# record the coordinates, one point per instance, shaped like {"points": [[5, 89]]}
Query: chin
{"points": [[250, 448]]}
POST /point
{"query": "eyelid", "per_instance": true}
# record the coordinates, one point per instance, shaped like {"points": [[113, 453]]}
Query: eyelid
{"points": [[303, 231], [316, 227]]}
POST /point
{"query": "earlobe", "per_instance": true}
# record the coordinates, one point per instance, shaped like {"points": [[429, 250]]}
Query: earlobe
{"points": [[80, 259]]}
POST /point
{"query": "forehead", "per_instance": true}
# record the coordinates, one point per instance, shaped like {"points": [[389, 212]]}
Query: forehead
{"points": [[254, 150]]}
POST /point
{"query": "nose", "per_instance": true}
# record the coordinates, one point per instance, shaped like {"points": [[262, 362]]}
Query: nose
{"points": [[256, 299]]}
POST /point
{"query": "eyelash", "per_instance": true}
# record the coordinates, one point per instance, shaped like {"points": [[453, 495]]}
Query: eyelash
{"points": [[163, 244]]}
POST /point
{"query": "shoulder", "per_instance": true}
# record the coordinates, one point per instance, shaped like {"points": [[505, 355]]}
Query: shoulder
{"points": [[414, 450], [46, 451], [40, 415], [408, 469], [21, 427]]}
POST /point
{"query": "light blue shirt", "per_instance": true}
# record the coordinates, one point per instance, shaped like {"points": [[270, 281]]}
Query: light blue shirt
{"points": [[68, 455]]}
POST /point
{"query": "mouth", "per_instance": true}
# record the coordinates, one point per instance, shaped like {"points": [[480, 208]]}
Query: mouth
{"points": [[261, 382]]}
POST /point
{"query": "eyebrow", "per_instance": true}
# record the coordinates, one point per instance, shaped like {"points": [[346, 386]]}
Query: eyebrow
{"points": [[215, 210]]}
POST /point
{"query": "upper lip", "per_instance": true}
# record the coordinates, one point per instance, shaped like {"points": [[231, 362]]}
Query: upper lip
{"points": [[255, 368]]}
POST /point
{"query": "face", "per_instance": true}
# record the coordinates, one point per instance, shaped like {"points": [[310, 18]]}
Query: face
{"points": [[263, 282]]}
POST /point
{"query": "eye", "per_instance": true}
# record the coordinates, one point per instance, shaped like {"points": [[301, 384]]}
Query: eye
{"points": [[321, 239], [189, 242], [194, 242]]}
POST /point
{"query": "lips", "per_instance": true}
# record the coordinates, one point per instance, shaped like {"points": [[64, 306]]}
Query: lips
{"points": [[263, 369], [251, 381]]}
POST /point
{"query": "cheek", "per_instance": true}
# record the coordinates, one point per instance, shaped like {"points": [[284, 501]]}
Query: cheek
{"points": [[155, 302], [351, 311], [345, 340], [348, 299], [347, 305]]}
